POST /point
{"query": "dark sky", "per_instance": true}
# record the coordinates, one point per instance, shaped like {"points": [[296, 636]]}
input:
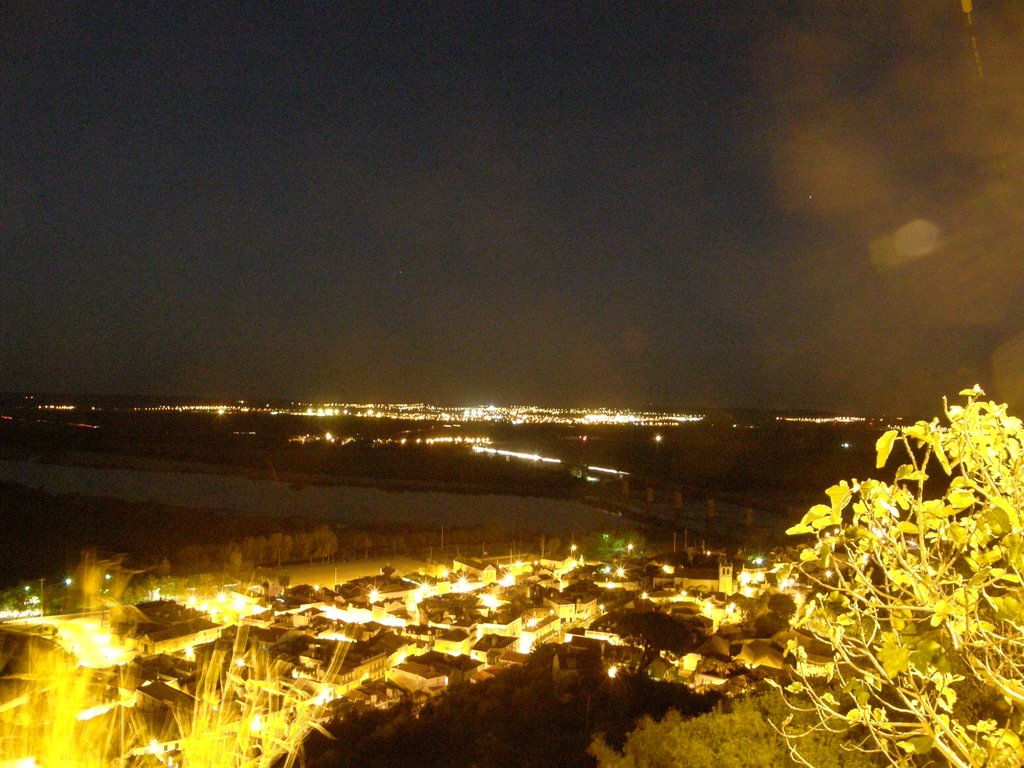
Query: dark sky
{"points": [[725, 203]]}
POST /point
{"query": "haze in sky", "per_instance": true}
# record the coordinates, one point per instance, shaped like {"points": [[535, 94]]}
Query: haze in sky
{"points": [[813, 204]]}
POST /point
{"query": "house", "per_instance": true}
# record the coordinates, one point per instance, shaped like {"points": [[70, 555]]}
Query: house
{"points": [[489, 648], [158, 695], [538, 626], [572, 605], [177, 637], [378, 694], [503, 621], [761, 653], [459, 669], [416, 677], [486, 573], [455, 641]]}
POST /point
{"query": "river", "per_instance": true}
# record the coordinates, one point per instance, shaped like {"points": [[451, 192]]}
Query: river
{"points": [[338, 503]]}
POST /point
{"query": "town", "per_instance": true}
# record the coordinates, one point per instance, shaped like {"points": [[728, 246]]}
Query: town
{"points": [[281, 657]]}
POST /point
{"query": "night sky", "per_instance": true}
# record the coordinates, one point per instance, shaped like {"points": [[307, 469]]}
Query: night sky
{"points": [[779, 204]]}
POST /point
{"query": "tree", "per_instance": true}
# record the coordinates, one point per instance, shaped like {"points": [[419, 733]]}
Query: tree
{"points": [[779, 609], [655, 632], [919, 595], [739, 738]]}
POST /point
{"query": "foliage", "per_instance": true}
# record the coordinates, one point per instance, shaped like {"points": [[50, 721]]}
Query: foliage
{"points": [[247, 712], [612, 546], [741, 737], [654, 632], [520, 718], [919, 595], [766, 613]]}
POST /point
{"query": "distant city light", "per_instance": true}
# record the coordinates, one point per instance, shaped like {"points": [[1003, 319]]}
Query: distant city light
{"points": [[517, 414], [516, 455], [822, 419]]}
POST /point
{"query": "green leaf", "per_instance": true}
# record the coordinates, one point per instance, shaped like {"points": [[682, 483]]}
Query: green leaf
{"points": [[807, 555], [1010, 739], [894, 657], [917, 745], [998, 519], [959, 498], [940, 454], [883, 447], [1012, 516], [840, 496], [1008, 608], [928, 657]]}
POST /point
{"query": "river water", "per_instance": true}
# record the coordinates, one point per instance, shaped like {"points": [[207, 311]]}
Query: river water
{"points": [[343, 504]]}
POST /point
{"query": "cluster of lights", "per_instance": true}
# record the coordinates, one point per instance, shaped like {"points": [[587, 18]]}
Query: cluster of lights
{"points": [[822, 419], [536, 457], [327, 437], [518, 414], [445, 440], [218, 409]]}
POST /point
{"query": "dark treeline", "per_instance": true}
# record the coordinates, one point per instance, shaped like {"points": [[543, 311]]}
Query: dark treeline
{"points": [[44, 535]]}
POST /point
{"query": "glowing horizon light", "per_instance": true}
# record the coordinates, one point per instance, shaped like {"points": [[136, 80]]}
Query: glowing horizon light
{"points": [[607, 471], [821, 419], [516, 454]]}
